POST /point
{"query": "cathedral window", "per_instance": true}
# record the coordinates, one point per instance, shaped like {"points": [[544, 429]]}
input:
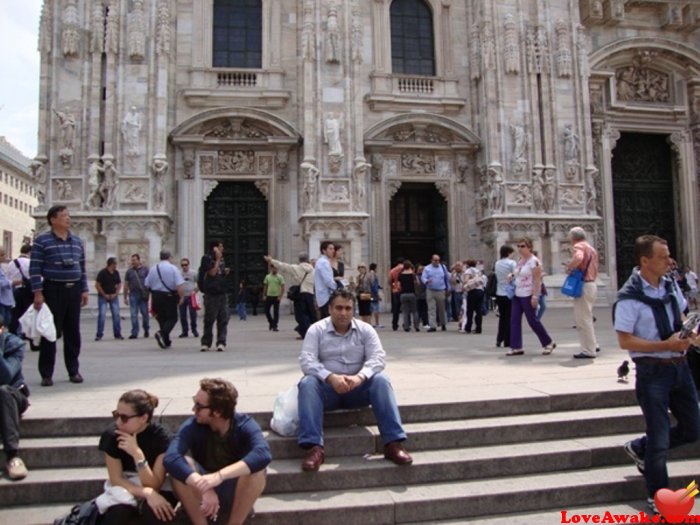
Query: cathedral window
{"points": [[412, 39], [237, 34]]}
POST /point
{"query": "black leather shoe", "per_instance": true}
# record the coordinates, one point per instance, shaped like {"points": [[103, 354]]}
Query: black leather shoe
{"points": [[46, 381], [133, 337], [583, 356], [182, 336], [76, 378]]}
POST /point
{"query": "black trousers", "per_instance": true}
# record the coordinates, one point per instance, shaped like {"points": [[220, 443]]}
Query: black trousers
{"points": [[304, 313], [272, 311], [13, 403], [503, 335], [395, 310], [165, 307], [23, 300], [63, 299], [475, 303]]}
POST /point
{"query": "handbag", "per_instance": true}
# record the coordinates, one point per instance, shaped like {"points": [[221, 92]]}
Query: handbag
{"points": [[510, 290], [573, 284], [194, 301], [365, 296], [294, 291], [81, 514]]}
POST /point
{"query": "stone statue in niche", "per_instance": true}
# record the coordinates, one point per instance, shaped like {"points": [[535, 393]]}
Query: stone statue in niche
{"points": [[95, 178], [483, 194], [462, 168], [310, 186], [592, 189], [377, 167], [488, 46], [331, 134], [159, 169], [66, 123], [549, 187], [358, 183], [571, 143], [641, 83], [110, 184], [496, 192], [332, 41], [188, 163], [41, 176], [519, 160], [282, 163], [538, 190], [64, 190], [131, 126]]}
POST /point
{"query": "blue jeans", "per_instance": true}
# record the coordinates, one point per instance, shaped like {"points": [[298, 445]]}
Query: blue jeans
{"points": [[136, 305], [661, 387], [241, 311], [185, 310], [102, 314], [317, 397], [542, 307]]}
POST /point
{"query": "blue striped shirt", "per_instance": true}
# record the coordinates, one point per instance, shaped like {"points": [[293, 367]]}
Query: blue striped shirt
{"points": [[54, 259]]}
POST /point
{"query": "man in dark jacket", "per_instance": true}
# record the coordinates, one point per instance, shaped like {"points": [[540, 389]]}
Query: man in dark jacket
{"points": [[226, 470], [14, 401], [213, 286]]}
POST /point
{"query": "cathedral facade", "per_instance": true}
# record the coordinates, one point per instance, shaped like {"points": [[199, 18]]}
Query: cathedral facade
{"points": [[396, 128]]}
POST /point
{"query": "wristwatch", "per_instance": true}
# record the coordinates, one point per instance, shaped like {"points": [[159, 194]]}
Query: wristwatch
{"points": [[141, 464]]}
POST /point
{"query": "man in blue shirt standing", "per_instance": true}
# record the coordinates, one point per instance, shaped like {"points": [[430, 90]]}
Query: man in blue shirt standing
{"points": [[57, 273], [324, 284], [436, 279], [166, 284], [648, 318]]}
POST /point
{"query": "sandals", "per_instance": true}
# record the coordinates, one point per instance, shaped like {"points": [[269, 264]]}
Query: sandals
{"points": [[549, 348], [513, 351]]}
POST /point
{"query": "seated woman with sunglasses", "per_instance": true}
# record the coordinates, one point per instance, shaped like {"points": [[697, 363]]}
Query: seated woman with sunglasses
{"points": [[134, 447]]}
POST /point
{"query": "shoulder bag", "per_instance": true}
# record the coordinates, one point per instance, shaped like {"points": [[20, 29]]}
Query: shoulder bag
{"points": [[573, 284]]}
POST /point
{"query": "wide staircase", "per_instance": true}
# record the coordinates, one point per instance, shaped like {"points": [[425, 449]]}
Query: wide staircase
{"points": [[473, 462]]}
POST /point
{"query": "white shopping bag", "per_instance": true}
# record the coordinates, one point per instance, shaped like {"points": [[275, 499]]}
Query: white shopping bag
{"points": [[285, 415]]}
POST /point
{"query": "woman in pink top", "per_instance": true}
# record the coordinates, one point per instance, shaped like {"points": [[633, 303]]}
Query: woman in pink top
{"points": [[528, 281]]}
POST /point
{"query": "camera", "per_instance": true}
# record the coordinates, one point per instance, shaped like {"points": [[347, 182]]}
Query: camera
{"points": [[68, 263], [690, 324]]}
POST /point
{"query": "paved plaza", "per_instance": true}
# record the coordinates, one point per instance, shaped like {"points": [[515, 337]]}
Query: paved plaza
{"points": [[424, 367]]}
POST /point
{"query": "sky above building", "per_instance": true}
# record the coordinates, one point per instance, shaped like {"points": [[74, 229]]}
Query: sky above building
{"points": [[19, 64]]}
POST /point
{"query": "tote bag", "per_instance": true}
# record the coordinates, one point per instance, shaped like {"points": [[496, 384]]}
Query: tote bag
{"points": [[573, 284]]}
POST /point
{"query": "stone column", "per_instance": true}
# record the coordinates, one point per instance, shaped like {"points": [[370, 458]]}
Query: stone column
{"points": [[682, 147], [610, 137]]}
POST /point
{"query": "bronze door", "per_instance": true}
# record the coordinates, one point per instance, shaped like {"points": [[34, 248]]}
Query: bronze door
{"points": [[236, 214], [418, 215], [643, 195]]}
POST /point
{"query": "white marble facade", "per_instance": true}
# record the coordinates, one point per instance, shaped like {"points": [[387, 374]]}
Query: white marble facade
{"points": [[515, 129]]}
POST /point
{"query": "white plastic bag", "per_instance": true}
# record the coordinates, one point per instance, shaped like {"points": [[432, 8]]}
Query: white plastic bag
{"points": [[285, 415]]}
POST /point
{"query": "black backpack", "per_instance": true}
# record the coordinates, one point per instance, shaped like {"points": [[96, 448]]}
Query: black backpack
{"points": [[81, 514], [204, 266]]}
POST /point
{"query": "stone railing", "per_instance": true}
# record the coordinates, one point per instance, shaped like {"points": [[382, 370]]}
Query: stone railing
{"points": [[216, 86], [415, 84]]}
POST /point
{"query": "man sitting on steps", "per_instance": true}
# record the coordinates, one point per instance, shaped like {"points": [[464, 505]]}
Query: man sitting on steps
{"points": [[343, 362]]}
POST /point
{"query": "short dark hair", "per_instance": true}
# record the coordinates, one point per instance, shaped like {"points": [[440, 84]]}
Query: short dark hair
{"points": [[111, 260], [165, 255], [470, 262], [223, 396], [54, 211], [325, 245], [341, 293], [185, 259], [372, 267], [407, 265], [213, 244], [136, 255], [644, 247], [142, 401], [506, 250], [25, 249]]}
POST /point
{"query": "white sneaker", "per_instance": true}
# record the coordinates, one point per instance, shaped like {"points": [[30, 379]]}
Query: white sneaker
{"points": [[16, 469], [220, 347], [204, 348], [651, 505]]}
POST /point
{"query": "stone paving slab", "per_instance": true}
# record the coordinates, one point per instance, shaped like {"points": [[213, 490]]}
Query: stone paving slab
{"points": [[424, 367]]}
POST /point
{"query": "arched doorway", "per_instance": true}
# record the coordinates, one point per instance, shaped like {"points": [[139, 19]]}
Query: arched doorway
{"points": [[236, 214], [643, 195], [418, 217]]}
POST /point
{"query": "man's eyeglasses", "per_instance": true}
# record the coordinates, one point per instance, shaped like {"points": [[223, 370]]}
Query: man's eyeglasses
{"points": [[123, 417], [198, 406], [184, 264]]}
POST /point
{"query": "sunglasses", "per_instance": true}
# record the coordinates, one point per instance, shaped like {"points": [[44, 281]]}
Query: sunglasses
{"points": [[522, 245], [123, 417], [198, 406], [185, 264]]}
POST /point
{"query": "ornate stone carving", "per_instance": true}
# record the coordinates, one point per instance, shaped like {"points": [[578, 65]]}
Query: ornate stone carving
{"points": [[596, 142], [496, 187], [564, 61], [582, 50], [66, 123], [308, 35], [676, 141], [206, 165], [391, 168], [519, 159], [617, 9], [282, 166], [234, 128], [549, 188], [597, 99], [483, 192], [112, 33], [70, 37], [336, 191], [488, 46], [264, 187], [332, 38], [444, 168], [612, 135], [356, 36], [418, 163], [95, 182], [641, 83], [571, 153], [519, 195], [462, 168], [377, 167], [237, 161], [359, 186], [131, 127], [208, 186], [593, 189], [310, 185], [64, 190], [110, 183], [538, 60], [45, 40], [97, 38], [134, 191], [188, 163], [41, 176], [475, 48], [571, 196], [392, 187], [443, 188], [264, 165], [163, 28], [511, 47], [136, 37], [437, 135], [538, 190], [331, 134]]}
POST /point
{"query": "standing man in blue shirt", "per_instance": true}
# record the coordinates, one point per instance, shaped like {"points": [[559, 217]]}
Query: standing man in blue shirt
{"points": [[324, 284], [648, 319], [436, 279], [166, 284], [57, 273], [136, 295], [343, 363]]}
